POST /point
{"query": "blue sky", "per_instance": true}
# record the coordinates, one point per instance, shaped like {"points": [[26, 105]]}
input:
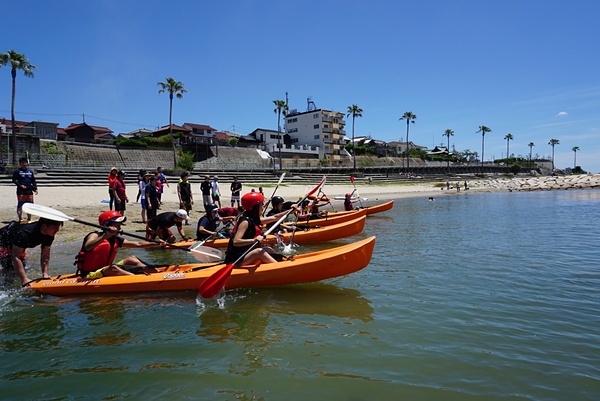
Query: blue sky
{"points": [[529, 68]]}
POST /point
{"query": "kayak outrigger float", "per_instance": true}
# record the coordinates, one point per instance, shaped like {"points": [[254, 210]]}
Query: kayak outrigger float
{"points": [[306, 268]]}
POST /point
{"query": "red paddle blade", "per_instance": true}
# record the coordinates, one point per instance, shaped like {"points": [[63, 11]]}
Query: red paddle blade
{"points": [[215, 283], [352, 179]]}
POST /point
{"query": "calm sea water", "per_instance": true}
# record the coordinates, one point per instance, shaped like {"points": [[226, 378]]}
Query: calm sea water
{"points": [[470, 297]]}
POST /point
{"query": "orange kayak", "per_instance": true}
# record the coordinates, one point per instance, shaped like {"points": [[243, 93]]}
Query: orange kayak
{"points": [[305, 268], [332, 219], [382, 207], [317, 234]]}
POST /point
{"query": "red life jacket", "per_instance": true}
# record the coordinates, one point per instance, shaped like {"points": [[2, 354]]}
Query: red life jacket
{"points": [[102, 255]]}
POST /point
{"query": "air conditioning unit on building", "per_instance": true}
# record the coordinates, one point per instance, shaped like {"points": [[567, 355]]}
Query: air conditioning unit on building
{"points": [[3, 128]]}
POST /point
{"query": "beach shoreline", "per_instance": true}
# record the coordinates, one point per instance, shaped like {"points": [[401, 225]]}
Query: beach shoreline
{"points": [[85, 203]]}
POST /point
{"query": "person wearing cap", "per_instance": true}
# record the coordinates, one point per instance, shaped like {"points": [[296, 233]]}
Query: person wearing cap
{"points": [[120, 191], [207, 225], [216, 191], [112, 177], [99, 249], [15, 238], [236, 190], [247, 230], [206, 188], [160, 226]]}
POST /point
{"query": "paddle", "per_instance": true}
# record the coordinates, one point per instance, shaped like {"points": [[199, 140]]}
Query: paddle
{"points": [[355, 190], [215, 283], [211, 254], [56, 215], [273, 194]]}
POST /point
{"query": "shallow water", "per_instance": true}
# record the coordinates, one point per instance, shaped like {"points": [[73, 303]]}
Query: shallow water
{"points": [[470, 297]]}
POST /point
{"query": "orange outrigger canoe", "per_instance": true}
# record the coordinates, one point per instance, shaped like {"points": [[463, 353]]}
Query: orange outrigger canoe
{"points": [[305, 268], [316, 234]]}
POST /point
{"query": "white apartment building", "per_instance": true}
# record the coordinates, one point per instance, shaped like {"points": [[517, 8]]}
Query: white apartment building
{"points": [[319, 128]]}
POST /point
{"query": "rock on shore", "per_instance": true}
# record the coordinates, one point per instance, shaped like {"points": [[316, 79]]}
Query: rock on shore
{"points": [[583, 181]]}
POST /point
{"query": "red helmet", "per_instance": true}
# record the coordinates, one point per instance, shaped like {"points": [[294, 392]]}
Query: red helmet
{"points": [[348, 195], [110, 216], [252, 199]]}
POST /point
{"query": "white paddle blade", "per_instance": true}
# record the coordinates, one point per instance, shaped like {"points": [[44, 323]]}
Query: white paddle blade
{"points": [[206, 254], [46, 212]]}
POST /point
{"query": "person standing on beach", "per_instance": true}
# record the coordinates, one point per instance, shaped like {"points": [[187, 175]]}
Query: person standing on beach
{"points": [[163, 181], [24, 179], [112, 177], [236, 189], [120, 191], [152, 201], [15, 238], [140, 178], [142, 186], [206, 188], [216, 191], [184, 192]]}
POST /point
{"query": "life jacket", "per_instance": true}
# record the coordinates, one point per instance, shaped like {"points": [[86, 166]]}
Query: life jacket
{"points": [[253, 231], [102, 255]]}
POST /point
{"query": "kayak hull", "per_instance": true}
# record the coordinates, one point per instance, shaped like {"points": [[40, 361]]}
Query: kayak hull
{"points": [[317, 234], [332, 219], [305, 268]]}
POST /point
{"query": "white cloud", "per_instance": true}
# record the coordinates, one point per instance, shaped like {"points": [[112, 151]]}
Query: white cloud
{"points": [[562, 114]]}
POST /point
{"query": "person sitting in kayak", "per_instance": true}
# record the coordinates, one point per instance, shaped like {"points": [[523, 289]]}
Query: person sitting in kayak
{"points": [[99, 249], [15, 238], [277, 202], [348, 206], [247, 230], [207, 225], [159, 226]]}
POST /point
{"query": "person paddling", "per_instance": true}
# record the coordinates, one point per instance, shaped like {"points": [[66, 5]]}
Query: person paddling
{"points": [[99, 249], [247, 230]]}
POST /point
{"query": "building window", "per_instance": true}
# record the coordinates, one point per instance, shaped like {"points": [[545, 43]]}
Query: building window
{"points": [[292, 130], [316, 115], [294, 140], [316, 126], [317, 136]]}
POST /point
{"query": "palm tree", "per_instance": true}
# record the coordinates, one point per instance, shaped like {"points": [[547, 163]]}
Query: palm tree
{"points": [[575, 149], [552, 143], [281, 107], [174, 88], [483, 129], [508, 137], [355, 111], [17, 61], [531, 145], [448, 133], [410, 118]]}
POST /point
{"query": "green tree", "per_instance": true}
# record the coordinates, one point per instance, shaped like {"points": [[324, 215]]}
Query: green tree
{"points": [[575, 149], [448, 133], [409, 117], [483, 129], [281, 107], [17, 62], [174, 88], [508, 137], [531, 145], [553, 142], [354, 111]]}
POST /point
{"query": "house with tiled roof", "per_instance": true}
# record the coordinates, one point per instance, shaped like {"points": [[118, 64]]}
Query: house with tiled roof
{"points": [[199, 133], [83, 132]]}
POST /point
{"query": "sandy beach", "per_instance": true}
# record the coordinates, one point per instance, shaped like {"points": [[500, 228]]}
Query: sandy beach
{"points": [[85, 203]]}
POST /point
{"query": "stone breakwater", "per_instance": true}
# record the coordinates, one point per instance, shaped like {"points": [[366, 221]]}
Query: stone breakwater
{"points": [[544, 183]]}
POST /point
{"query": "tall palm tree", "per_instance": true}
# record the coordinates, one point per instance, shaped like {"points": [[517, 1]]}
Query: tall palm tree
{"points": [[552, 143], [174, 88], [508, 137], [17, 61], [483, 129], [410, 118], [531, 145], [355, 111], [281, 107], [575, 149], [448, 133]]}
